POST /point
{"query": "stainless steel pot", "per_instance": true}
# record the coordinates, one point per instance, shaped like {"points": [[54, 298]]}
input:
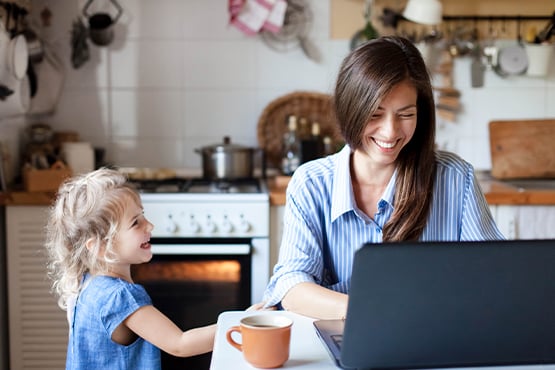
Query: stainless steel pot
{"points": [[227, 161]]}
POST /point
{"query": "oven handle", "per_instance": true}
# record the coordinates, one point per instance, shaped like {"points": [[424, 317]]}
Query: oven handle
{"points": [[202, 249]]}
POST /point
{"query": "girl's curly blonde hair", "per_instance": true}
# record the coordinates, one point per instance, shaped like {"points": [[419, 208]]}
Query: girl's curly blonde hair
{"points": [[87, 207]]}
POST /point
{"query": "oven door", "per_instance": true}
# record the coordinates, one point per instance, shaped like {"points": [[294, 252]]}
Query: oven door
{"points": [[193, 281]]}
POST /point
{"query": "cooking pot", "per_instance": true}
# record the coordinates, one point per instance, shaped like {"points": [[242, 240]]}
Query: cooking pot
{"points": [[227, 161]]}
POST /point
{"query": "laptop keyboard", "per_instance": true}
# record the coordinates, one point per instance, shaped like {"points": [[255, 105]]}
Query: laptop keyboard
{"points": [[338, 340]]}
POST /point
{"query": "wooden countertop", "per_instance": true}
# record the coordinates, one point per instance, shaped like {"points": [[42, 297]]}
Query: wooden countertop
{"points": [[26, 198], [496, 192]]}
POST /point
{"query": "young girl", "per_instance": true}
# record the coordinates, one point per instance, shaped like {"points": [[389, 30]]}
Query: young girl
{"points": [[96, 231]]}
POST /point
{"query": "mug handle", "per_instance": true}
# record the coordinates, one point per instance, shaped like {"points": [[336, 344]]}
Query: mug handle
{"points": [[230, 340]]}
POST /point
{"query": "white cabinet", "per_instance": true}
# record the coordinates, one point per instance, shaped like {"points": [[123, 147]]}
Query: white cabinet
{"points": [[525, 221], [38, 329]]}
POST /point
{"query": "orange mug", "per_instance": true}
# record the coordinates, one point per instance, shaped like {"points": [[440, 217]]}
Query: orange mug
{"points": [[265, 339]]}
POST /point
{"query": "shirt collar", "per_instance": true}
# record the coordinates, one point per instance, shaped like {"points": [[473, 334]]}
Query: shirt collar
{"points": [[343, 199], [389, 192]]}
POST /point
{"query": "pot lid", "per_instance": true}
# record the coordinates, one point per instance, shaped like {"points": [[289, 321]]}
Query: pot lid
{"points": [[225, 146]]}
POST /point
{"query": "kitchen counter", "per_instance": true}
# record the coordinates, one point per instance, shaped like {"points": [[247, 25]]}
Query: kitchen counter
{"points": [[522, 192], [26, 198]]}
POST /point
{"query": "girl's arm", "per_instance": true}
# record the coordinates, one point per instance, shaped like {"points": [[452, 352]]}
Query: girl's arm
{"points": [[155, 327]]}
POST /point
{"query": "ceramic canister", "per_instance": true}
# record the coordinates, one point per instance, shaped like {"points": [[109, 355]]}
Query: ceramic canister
{"points": [[79, 156]]}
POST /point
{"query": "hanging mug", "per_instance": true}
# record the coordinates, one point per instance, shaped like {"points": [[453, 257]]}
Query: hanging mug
{"points": [[101, 30]]}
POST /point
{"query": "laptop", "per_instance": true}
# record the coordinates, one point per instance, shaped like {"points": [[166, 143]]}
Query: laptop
{"points": [[447, 304]]}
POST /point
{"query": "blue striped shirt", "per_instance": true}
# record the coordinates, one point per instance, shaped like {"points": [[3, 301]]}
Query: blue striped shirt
{"points": [[323, 227]]}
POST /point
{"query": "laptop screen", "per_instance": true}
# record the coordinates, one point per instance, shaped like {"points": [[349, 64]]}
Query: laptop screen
{"points": [[447, 304]]}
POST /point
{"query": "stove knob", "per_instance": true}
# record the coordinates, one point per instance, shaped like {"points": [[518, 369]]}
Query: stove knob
{"points": [[226, 226], [210, 226], [193, 226], [171, 226], [244, 225]]}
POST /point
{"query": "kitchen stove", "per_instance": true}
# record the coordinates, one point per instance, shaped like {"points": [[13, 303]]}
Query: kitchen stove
{"points": [[199, 208], [211, 250], [201, 185]]}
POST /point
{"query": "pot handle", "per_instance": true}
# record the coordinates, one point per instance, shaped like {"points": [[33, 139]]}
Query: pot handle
{"points": [[114, 2]]}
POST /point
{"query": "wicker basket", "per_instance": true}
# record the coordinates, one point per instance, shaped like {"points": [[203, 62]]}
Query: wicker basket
{"points": [[272, 124]]}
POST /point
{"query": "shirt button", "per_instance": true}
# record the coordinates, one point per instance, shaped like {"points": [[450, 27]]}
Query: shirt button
{"points": [[382, 204]]}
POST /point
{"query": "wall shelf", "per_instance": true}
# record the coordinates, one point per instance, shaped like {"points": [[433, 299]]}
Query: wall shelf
{"points": [[497, 17]]}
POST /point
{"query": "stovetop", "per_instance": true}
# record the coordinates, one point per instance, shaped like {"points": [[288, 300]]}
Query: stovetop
{"points": [[200, 186], [200, 208]]}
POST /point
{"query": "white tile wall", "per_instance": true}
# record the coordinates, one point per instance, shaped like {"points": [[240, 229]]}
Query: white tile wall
{"points": [[178, 77]]}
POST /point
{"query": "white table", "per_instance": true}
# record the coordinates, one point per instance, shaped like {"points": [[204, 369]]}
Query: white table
{"points": [[307, 352]]}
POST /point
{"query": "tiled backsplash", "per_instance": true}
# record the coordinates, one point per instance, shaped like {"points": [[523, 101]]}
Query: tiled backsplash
{"points": [[178, 77]]}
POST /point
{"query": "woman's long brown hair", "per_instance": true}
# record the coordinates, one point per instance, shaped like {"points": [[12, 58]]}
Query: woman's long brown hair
{"points": [[366, 76]]}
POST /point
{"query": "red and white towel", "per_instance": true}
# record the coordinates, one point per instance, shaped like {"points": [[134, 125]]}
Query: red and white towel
{"points": [[252, 16]]}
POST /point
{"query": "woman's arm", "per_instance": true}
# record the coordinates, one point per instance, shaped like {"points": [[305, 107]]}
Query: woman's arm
{"points": [[153, 326], [477, 222], [313, 300]]}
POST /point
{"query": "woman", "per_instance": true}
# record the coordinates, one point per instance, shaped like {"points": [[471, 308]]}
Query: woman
{"points": [[387, 184]]}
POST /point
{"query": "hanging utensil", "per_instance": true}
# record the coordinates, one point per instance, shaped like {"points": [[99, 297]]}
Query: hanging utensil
{"points": [[513, 59], [35, 52], [294, 32], [101, 25], [368, 32], [489, 50], [79, 48], [546, 33], [50, 80], [35, 45], [477, 67]]}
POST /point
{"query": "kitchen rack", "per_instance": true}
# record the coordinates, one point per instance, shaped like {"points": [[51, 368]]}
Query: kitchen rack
{"points": [[545, 34], [24, 4], [497, 17]]}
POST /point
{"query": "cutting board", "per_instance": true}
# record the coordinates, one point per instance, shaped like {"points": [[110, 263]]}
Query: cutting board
{"points": [[522, 149]]}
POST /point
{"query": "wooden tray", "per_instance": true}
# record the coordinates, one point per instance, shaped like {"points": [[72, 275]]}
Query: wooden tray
{"points": [[522, 148], [272, 124]]}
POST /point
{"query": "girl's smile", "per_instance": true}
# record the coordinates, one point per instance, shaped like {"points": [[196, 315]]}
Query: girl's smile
{"points": [[132, 244], [146, 245]]}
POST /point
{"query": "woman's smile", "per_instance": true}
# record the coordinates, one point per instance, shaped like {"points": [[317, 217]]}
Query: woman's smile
{"points": [[386, 145]]}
